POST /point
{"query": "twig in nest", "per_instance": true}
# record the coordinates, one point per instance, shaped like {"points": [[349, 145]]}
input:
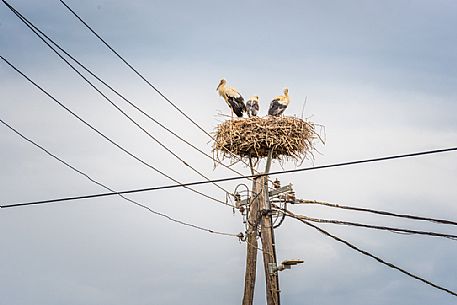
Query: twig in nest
{"points": [[289, 137]]}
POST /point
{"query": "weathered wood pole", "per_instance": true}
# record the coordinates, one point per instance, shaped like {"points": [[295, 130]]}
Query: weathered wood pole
{"points": [[251, 242], [268, 241]]}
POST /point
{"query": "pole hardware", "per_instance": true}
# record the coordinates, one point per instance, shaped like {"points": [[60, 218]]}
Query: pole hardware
{"points": [[287, 264]]}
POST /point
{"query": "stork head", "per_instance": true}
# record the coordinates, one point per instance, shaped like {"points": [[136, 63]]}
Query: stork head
{"points": [[256, 97], [221, 83], [286, 92]]}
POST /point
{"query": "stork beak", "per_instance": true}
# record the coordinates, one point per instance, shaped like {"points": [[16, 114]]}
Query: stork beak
{"points": [[220, 84]]}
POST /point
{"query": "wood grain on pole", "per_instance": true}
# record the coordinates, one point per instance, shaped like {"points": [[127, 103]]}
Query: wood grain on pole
{"points": [[251, 244], [269, 251]]}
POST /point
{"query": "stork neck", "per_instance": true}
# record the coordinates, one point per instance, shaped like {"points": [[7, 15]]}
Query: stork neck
{"points": [[221, 89]]}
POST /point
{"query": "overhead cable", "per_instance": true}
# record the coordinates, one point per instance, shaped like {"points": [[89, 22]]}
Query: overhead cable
{"points": [[133, 69], [110, 189], [385, 228], [172, 186], [109, 139], [40, 35], [378, 259], [384, 213], [143, 77]]}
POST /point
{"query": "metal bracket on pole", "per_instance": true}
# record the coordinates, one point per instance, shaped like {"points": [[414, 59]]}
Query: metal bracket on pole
{"points": [[287, 264], [285, 189]]}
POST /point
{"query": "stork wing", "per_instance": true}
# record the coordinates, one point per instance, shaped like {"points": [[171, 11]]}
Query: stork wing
{"points": [[232, 93], [256, 105], [237, 106], [276, 108]]}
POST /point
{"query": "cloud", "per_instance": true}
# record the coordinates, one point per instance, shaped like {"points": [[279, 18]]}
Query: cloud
{"points": [[379, 76]]}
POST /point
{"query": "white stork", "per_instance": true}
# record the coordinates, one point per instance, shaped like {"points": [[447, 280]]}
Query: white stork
{"points": [[232, 97], [252, 106], [279, 104]]}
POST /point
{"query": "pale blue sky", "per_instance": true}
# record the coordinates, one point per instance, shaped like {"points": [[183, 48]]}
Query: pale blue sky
{"points": [[379, 75]]}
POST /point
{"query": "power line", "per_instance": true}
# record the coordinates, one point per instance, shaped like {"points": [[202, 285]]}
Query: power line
{"points": [[384, 213], [171, 186], [110, 189], [141, 110], [142, 77], [385, 228], [134, 70], [122, 96], [110, 140], [390, 265], [37, 32]]}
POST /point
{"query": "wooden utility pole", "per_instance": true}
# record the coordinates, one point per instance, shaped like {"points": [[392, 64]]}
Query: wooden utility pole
{"points": [[260, 214], [251, 241], [269, 255], [268, 242]]}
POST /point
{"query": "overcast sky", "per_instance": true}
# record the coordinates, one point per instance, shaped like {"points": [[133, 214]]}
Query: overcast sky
{"points": [[381, 76]]}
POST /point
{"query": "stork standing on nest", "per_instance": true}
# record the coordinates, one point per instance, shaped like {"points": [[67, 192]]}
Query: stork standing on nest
{"points": [[232, 97], [252, 106], [279, 104]]}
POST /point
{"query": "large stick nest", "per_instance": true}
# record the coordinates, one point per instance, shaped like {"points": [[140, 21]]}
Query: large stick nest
{"points": [[288, 137]]}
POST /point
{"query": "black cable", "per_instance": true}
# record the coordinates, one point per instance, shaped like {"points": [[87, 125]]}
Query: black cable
{"points": [[390, 265], [135, 70], [155, 188], [384, 213], [283, 216], [385, 228], [108, 139], [108, 188], [142, 77], [37, 32]]}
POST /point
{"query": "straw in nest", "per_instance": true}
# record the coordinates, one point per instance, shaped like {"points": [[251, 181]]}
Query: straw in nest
{"points": [[288, 137]]}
